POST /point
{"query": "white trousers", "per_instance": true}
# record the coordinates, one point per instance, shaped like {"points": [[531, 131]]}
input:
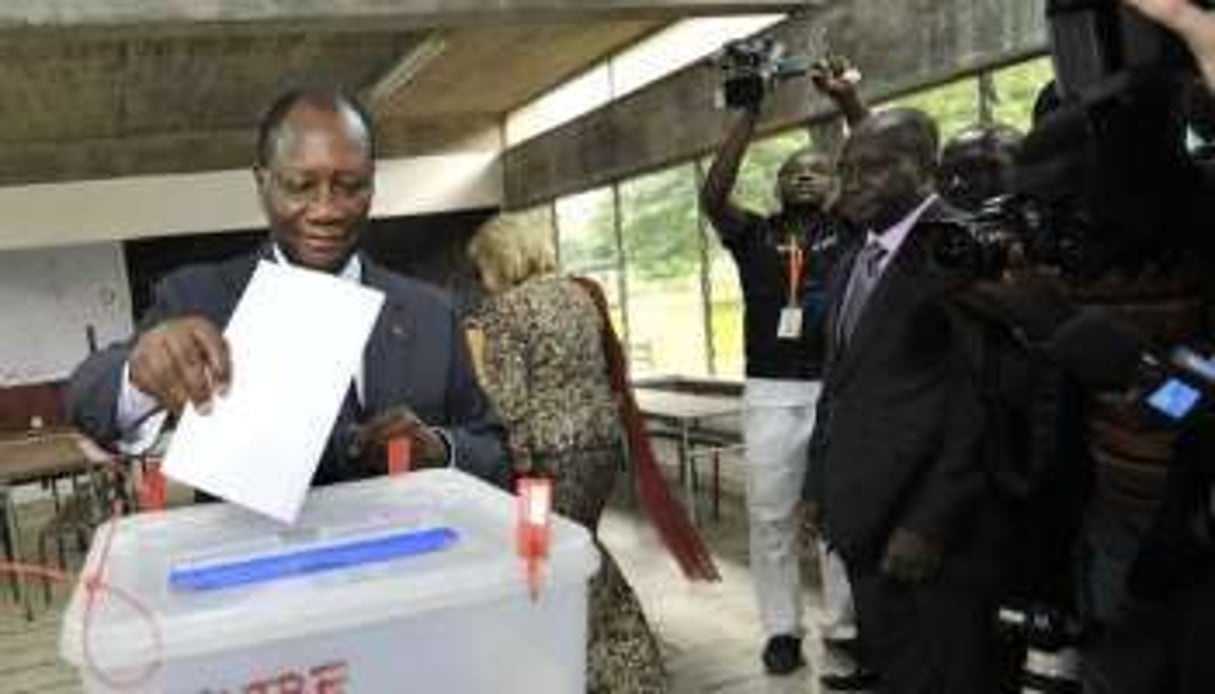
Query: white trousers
{"points": [[778, 421]]}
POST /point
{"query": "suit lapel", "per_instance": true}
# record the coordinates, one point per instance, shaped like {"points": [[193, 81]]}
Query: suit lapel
{"points": [[896, 282], [383, 361], [234, 276]]}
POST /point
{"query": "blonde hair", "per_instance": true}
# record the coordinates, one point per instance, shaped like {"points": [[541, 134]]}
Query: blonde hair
{"points": [[511, 248]]}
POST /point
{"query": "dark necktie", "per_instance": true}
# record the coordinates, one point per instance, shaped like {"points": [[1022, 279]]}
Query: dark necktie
{"points": [[866, 272]]}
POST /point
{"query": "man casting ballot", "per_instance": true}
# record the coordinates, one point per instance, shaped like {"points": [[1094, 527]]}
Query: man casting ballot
{"points": [[315, 179]]}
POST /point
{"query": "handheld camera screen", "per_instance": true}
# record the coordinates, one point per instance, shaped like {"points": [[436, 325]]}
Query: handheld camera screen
{"points": [[1174, 399]]}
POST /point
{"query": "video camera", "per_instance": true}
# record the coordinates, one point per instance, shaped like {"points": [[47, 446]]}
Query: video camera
{"points": [[753, 67], [1104, 179], [1018, 229]]}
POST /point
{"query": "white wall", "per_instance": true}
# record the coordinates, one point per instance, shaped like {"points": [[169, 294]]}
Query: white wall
{"points": [[47, 297], [61, 263], [136, 207]]}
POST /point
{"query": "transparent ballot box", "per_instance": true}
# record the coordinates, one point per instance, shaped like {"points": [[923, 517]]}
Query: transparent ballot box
{"points": [[396, 584]]}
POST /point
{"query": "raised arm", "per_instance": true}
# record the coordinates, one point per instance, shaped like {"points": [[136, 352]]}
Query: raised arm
{"points": [[716, 197], [838, 79]]}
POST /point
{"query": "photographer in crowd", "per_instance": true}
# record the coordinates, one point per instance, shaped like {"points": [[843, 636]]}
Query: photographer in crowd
{"points": [[977, 165], [782, 260], [1113, 286]]}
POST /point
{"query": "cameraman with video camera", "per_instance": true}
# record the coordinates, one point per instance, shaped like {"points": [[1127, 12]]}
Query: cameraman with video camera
{"points": [[1114, 303], [782, 261]]}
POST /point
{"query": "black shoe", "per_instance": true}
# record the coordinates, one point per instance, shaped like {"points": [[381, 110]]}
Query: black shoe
{"points": [[858, 680], [783, 655]]}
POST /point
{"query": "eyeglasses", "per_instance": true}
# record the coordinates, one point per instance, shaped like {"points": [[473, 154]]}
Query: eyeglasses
{"points": [[304, 190]]}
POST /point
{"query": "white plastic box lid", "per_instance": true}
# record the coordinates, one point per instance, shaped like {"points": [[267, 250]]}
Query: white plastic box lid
{"points": [[480, 565]]}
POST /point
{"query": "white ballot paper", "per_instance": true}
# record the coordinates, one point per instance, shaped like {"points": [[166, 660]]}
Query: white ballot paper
{"points": [[296, 341]]}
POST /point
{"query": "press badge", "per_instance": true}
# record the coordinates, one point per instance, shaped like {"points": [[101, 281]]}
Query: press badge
{"points": [[790, 327]]}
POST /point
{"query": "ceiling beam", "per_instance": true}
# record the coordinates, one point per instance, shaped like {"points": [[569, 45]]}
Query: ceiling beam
{"points": [[172, 153], [899, 46], [189, 17]]}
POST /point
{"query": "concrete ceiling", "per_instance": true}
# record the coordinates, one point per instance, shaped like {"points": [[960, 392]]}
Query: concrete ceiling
{"points": [[100, 89]]}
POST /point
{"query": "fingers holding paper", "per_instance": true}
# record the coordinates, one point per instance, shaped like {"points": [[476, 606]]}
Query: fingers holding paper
{"points": [[184, 360]]}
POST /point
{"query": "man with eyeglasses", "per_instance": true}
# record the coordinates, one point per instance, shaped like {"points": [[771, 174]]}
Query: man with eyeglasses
{"points": [[315, 179]]}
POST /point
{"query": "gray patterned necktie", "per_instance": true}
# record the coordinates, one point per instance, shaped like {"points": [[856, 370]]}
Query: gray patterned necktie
{"points": [[865, 274]]}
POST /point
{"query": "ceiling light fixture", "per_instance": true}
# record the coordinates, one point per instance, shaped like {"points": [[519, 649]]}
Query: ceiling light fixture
{"points": [[406, 69]]}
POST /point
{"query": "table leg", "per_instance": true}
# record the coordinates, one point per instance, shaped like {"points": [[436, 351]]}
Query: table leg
{"points": [[12, 550], [685, 462], [6, 536]]}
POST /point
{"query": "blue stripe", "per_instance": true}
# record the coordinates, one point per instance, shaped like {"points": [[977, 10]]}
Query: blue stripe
{"points": [[313, 560]]}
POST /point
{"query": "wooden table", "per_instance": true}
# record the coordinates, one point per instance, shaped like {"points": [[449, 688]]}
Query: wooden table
{"points": [[685, 413]]}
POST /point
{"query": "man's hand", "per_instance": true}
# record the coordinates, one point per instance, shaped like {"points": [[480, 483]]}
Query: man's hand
{"points": [[811, 517], [182, 360], [1195, 25], [838, 79], [428, 448], [912, 557], [809, 522], [835, 77]]}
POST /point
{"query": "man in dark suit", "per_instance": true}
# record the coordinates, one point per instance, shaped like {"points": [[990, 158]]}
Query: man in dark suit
{"points": [[315, 178], [895, 480]]}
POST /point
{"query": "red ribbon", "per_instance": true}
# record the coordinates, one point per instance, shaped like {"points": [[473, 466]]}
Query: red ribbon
{"points": [[668, 516]]}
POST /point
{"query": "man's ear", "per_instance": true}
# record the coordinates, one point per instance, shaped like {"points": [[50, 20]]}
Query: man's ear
{"points": [[261, 178]]}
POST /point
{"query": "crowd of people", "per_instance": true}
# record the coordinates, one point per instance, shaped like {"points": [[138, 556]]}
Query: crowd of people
{"points": [[891, 395]]}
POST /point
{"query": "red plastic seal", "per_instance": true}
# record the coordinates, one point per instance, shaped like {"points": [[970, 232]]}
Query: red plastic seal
{"points": [[534, 528]]}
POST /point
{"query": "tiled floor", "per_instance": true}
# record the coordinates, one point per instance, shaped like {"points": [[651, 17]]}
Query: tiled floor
{"points": [[709, 632]]}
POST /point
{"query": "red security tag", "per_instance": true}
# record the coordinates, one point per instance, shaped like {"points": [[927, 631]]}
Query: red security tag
{"points": [[400, 455], [533, 529], [152, 486]]}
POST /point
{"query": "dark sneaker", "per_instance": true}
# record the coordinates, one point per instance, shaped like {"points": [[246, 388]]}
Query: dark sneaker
{"points": [[783, 655], [858, 680]]}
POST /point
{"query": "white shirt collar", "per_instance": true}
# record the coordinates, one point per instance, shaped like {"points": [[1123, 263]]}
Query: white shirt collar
{"points": [[894, 237], [351, 272]]}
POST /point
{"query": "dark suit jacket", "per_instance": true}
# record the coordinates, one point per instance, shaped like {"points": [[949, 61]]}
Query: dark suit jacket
{"points": [[416, 356], [895, 443]]}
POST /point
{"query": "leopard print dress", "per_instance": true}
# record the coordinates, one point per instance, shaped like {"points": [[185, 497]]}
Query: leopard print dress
{"points": [[544, 369]]}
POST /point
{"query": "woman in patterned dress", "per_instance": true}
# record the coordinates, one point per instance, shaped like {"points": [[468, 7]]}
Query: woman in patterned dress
{"points": [[542, 364]]}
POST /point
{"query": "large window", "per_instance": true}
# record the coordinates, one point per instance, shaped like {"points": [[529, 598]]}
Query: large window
{"points": [[662, 259], [1015, 89], [587, 244], [954, 105]]}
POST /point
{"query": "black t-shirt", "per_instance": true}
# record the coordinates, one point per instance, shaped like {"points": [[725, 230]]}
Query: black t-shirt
{"points": [[760, 248]]}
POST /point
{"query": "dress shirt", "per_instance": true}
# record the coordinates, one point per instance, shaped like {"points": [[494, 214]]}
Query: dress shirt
{"points": [[892, 240]]}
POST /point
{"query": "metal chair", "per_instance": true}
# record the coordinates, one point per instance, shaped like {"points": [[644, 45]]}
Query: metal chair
{"points": [[80, 514]]}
